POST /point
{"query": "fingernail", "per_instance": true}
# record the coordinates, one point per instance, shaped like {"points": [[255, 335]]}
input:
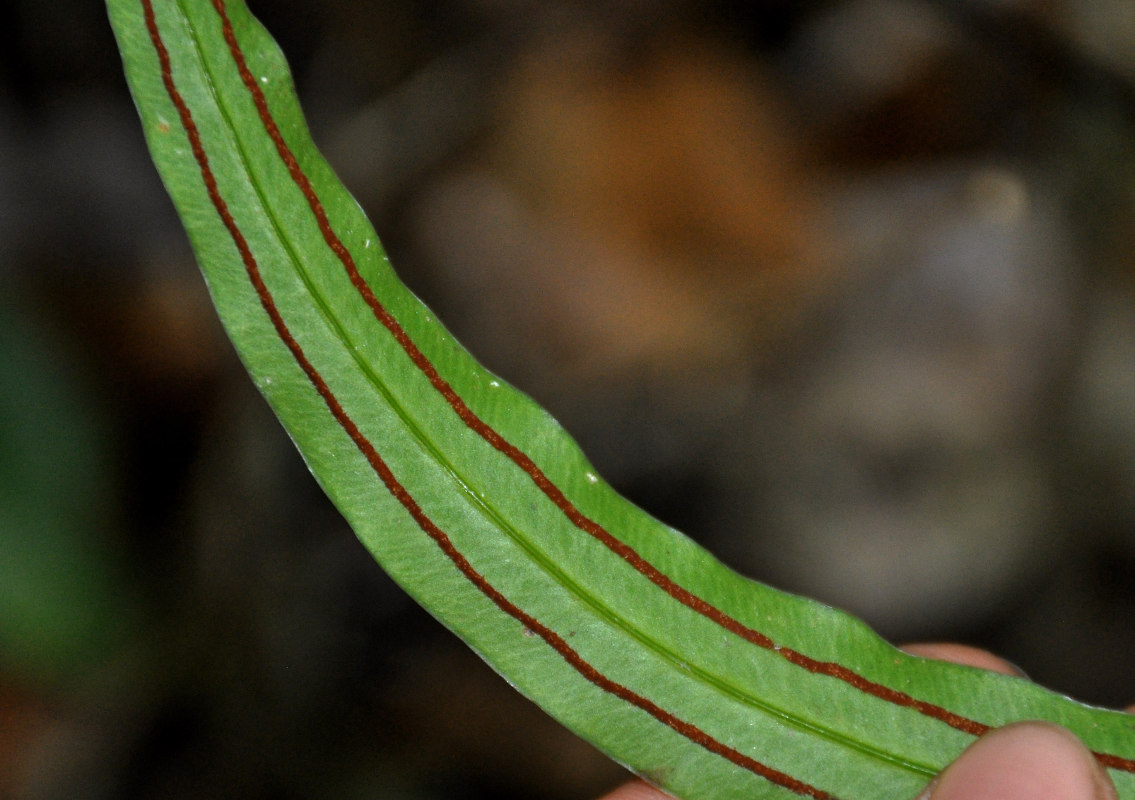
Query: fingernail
{"points": [[1023, 761]]}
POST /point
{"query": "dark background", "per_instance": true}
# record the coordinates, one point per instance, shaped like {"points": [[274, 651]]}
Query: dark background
{"points": [[843, 289]]}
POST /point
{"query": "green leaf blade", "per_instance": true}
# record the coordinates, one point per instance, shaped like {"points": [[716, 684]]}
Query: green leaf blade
{"points": [[485, 511]]}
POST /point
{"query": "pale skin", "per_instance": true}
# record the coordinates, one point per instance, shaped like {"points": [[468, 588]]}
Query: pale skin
{"points": [[1023, 761]]}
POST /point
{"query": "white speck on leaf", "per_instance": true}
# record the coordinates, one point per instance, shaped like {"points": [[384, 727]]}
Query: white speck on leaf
{"points": [[592, 477]]}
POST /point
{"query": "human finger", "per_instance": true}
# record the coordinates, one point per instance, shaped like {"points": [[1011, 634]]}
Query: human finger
{"points": [[963, 654], [1023, 761], [636, 790]]}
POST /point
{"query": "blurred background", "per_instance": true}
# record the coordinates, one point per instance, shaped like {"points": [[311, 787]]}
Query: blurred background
{"points": [[842, 288]]}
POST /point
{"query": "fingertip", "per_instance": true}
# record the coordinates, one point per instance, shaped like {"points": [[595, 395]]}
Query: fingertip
{"points": [[964, 654], [1024, 761], [636, 790]]}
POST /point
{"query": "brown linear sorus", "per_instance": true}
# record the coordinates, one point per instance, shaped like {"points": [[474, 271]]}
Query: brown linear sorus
{"points": [[543, 482], [394, 486]]}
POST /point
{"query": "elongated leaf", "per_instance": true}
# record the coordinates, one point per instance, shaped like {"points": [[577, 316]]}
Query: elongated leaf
{"points": [[479, 504]]}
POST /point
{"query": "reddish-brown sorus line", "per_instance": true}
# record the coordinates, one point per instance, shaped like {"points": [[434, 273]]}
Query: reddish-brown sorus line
{"points": [[545, 484], [537, 475], [440, 538]]}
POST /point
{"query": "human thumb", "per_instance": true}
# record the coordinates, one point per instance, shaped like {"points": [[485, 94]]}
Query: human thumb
{"points": [[1023, 761]]}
